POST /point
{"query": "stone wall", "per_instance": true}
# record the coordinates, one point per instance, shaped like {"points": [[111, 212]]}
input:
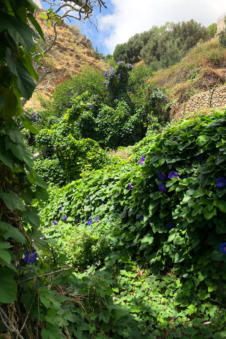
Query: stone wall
{"points": [[216, 97]]}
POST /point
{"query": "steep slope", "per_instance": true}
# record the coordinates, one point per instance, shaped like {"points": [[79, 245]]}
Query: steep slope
{"points": [[203, 69], [71, 51]]}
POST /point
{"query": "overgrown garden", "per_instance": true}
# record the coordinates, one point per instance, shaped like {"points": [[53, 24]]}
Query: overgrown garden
{"points": [[93, 245]]}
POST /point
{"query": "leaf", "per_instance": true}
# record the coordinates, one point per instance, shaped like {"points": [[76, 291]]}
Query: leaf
{"points": [[11, 232], [149, 240], [32, 218], [12, 201], [20, 33], [5, 256], [25, 82], [36, 25], [8, 287], [209, 212], [221, 204], [28, 125]]}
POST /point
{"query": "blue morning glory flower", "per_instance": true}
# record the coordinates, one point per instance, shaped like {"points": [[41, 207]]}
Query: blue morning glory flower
{"points": [[173, 174], [88, 197], [221, 182], [141, 218], [64, 217], [96, 219], [161, 175], [55, 222], [222, 248], [61, 208], [89, 222], [162, 187], [142, 160], [130, 187], [170, 225], [30, 256]]}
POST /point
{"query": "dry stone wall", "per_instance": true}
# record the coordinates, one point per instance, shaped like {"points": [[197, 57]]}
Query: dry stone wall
{"points": [[216, 97]]}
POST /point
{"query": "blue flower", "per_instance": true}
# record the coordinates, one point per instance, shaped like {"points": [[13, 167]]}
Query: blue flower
{"points": [[61, 208], [102, 204], [88, 197], [142, 160], [173, 174], [54, 222], [170, 225], [222, 248], [30, 256], [162, 187], [64, 217], [79, 219], [89, 222], [141, 218], [96, 219], [161, 175], [221, 182], [130, 187], [91, 106], [147, 180]]}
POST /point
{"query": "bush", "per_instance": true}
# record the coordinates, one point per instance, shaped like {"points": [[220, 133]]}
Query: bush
{"points": [[169, 210]]}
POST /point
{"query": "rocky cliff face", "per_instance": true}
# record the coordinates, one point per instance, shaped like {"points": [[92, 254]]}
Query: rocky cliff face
{"points": [[71, 51]]}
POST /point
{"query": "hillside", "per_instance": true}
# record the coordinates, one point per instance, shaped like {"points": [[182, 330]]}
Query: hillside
{"points": [[69, 54], [201, 70]]}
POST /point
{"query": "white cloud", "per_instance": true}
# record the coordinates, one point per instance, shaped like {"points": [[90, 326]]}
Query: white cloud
{"points": [[135, 16]]}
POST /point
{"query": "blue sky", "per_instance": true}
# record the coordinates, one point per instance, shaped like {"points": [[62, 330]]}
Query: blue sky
{"points": [[124, 18]]}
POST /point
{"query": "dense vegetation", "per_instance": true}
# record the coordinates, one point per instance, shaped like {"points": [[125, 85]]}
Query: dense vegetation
{"points": [[131, 248], [163, 46], [93, 109]]}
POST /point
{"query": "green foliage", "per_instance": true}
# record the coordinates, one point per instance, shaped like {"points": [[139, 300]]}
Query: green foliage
{"points": [[212, 30], [117, 217], [19, 185], [163, 46], [90, 80], [139, 216]]}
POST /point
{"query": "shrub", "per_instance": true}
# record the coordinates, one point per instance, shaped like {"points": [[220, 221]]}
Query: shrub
{"points": [[168, 211]]}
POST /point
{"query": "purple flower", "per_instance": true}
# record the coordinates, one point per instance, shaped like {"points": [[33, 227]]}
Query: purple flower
{"points": [[147, 180], [89, 222], [170, 225], [61, 208], [162, 187], [161, 176], [221, 182], [141, 218], [64, 217], [102, 204], [130, 187], [96, 219], [141, 162], [79, 219], [222, 248], [91, 106], [55, 222], [88, 197], [173, 174], [30, 256]]}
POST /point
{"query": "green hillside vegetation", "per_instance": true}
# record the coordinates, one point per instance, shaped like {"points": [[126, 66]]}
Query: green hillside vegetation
{"points": [[199, 70], [161, 47], [112, 217]]}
